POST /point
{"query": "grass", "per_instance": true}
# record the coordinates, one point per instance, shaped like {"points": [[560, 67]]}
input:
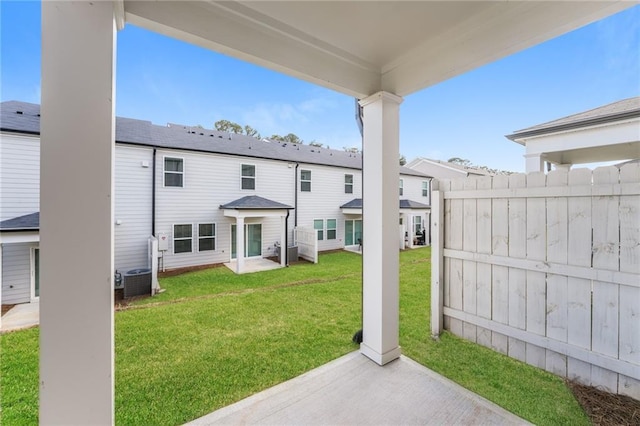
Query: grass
{"points": [[214, 337]]}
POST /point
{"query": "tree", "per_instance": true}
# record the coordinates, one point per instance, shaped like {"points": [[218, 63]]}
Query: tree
{"points": [[290, 138], [467, 163], [228, 126], [316, 144], [250, 131], [403, 160], [460, 161]]}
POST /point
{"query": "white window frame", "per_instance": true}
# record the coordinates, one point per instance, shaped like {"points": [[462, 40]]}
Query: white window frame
{"points": [[319, 232], [165, 171], [173, 233], [417, 220], [305, 180], [425, 188], [207, 237], [242, 177], [348, 184], [334, 229], [401, 187]]}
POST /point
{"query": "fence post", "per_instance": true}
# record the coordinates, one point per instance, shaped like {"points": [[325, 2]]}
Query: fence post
{"points": [[437, 263]]}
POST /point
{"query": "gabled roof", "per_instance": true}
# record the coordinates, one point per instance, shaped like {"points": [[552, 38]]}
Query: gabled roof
{"points": [[356, 203], [616, 111], [253, 202], [29, 222], [453, 166], [23, 117]]}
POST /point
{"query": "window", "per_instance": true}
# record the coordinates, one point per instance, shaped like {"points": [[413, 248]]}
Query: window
{"points": [[173, 171], [401, 187], [348, 184], [182, 238], [331, 229], [417, 224], [248, 176], [425, 188], [305, 180], [206, 236], [318, 225]]}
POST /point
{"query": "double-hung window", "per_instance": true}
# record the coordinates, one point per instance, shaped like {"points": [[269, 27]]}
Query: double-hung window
{"points": [[206, 236], [182, 238], [173, 171], [331, 229], [348, 184], [248, 172], [401, 187], [318, 225], [425, 188], [305, 180]]}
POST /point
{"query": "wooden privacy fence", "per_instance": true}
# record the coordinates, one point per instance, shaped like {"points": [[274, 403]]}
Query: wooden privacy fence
{"points": [[545, 269], [307, 241]]}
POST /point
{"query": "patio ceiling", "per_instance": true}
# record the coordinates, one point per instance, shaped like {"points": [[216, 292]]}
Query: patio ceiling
{"points": [[363, 47]]}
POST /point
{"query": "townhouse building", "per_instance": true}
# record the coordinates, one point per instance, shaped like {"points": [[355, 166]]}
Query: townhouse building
{"points": [[192, 188]]}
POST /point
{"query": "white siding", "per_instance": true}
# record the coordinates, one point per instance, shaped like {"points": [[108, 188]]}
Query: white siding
{"points": [[324, 201], [19, 175], [413, 189], [211, 180], [133, 195], [16, 273]]}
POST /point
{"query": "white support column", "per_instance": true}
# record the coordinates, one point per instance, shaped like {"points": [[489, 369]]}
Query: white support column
{"points": [[283, 247], [76, 213], [380, 257], [534, 162], [239, 244]]}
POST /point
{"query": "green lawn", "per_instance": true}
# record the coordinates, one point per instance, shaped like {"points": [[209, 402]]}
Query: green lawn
{"points": [[214, 337]]}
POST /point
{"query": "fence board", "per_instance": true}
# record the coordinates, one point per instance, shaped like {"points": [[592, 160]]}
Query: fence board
{"points": [[630, 325], [579, 290], [536, 281], [483, 270], [629, 220], [456, 279], [518, 249], [469, 238], [605, 213], [500, 274]]}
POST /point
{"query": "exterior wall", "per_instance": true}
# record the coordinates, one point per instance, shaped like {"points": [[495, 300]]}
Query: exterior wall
{"points": [[324, 201], [133, 195], [413, 189], [211, 180], [19, 175], [16, 273]]}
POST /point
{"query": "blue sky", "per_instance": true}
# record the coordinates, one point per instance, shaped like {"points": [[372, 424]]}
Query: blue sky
{"points": [[165, 80]]}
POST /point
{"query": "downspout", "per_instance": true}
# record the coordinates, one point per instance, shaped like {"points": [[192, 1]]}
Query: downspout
{"points": [[295, 202], [286, 239], [153, 195]]}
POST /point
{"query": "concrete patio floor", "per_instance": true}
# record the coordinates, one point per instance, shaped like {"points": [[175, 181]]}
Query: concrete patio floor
{"points": [[353, 390], [254, 265], [21, 316]]}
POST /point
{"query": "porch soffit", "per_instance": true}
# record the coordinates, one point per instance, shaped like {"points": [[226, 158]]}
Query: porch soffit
{"points": [[361, 47]]}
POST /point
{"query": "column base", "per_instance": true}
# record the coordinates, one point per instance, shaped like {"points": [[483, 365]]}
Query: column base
{"points": [[378, 358]]}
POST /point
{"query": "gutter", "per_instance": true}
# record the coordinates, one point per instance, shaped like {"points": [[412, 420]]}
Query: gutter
{"points": [[575, 125]]}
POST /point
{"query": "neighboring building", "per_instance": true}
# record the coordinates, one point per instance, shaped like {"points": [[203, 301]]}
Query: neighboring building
{"points": [[607, 133], [443, 169], [193, 187]]}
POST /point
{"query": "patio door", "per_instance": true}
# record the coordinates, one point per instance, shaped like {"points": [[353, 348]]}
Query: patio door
{"points": [[352, 231], [35, 274], [252, 240]]}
